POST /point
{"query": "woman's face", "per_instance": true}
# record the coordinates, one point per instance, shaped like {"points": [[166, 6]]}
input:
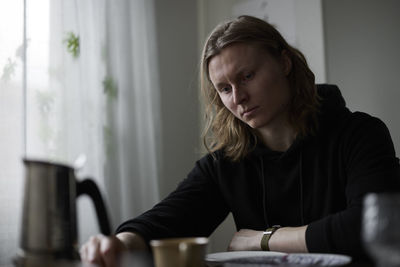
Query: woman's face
{"points": [[252, 84]]}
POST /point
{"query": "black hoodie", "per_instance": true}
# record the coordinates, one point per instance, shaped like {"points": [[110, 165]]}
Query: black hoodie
{"points": [[319, 181]]}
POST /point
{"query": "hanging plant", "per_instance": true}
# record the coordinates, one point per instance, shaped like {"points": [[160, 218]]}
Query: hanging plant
{"points": [[45, 100], [8, 70], [110, 90], [72, 42], [109, 87]]}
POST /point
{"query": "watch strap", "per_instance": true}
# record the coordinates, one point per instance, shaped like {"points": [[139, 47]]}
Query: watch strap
{"points": [[267, 235]]}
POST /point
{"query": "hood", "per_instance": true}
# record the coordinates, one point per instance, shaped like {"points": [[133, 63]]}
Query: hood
{"points": [[332, 101], [333, 110]]}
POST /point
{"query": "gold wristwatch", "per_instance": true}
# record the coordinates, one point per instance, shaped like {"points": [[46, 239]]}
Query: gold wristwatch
{"points": [[267, 235]]}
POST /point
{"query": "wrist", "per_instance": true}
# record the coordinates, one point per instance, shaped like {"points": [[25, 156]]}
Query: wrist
{"points": [[289, 239], [267, 235]]}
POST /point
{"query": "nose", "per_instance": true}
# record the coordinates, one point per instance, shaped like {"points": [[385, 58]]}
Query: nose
{"points": [[239, 95]]}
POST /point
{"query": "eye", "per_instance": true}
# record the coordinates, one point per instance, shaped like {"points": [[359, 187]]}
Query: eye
{"points": [[225, 89], [248, 76]]}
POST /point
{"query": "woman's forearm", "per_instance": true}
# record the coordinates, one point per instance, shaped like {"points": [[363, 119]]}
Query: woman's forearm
{"points": [[285, 239], [289, 239]]}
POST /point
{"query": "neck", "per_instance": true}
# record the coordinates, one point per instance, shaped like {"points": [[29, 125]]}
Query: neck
{"points": [[279, 137]]}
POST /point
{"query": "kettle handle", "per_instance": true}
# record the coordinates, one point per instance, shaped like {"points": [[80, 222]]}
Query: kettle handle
{"points": [[90, 188]]}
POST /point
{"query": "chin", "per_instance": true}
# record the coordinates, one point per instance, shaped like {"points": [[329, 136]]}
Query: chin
{"points": [[257, 124]]}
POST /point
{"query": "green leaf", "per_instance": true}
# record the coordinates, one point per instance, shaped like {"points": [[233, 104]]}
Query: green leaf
{"points": [[73, 46], [8, 70], [110, 88]]}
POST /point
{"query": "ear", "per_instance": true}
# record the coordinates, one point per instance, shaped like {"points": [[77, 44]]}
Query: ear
{"points": [[286, 62]]}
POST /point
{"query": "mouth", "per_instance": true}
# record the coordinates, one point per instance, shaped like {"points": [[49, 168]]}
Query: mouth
{"points": [[249, 112]]}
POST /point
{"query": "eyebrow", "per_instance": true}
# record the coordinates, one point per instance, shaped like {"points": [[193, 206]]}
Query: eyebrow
{"points": [[220, 85], [240, 71]]}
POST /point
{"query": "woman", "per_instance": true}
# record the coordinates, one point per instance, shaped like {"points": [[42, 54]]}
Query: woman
{"points": [[283, 151]]}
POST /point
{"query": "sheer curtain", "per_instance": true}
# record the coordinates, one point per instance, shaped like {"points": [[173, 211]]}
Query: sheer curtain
{"points": [[91, 88], [106, 100], [11, 121], [135, 117]]}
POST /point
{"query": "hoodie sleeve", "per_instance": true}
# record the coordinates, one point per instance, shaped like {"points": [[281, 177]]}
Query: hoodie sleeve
{"points": [[195, 208], [370, 166]]}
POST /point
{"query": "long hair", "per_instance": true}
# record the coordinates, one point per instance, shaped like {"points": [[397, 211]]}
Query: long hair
{"points": [[222, 129]]}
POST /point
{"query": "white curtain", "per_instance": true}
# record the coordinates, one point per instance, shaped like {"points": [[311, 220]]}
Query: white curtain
{"points": [[109, 105], [11, 117], [135, 117], [91, 88]]}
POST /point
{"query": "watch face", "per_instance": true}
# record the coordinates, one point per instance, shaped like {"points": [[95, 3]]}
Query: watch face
{"points": [[272, 229]]}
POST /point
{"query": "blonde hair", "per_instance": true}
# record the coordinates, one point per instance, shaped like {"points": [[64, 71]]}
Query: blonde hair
{"points": [[223, 130]]}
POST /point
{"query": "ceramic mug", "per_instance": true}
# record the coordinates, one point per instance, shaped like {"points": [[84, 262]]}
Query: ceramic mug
{"points": [[179, 252]]}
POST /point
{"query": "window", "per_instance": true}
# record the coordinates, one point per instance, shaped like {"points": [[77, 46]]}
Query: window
{"points": [[11, 123]]}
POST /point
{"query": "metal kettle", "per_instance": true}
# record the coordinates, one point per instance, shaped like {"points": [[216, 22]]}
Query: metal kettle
{"points": [[49, 221]]}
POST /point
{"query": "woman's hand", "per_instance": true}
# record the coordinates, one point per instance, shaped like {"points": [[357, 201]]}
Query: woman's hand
{"points": [[106, 251], [246, 239], [102, 250]]}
